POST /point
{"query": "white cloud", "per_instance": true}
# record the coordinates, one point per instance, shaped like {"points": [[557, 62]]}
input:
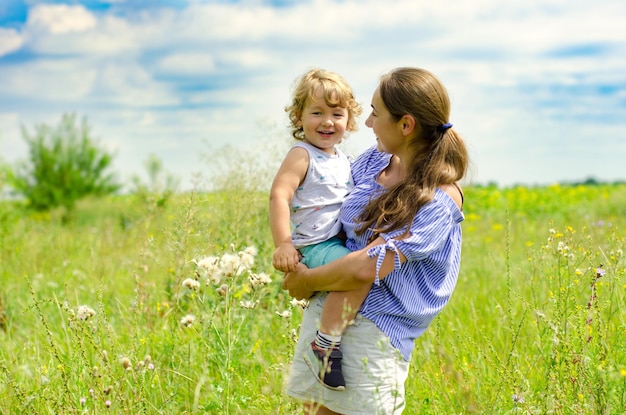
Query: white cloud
{"points": [[191, 63], [61, 18], [10, 41]]}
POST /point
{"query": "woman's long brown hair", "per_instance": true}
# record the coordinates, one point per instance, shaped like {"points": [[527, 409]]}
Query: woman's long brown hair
{"points": [[440, 154]]}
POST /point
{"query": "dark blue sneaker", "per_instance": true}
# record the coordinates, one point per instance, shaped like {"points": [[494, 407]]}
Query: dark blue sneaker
{"points": [[326, 366]]}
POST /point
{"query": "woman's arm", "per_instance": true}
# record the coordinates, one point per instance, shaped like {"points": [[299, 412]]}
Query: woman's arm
{"points": [[348, 273]]}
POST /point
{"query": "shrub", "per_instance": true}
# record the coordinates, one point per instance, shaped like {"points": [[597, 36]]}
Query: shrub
{"points": [[64, 165]]}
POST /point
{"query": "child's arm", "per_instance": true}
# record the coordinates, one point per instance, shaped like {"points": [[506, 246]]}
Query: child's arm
{"points": [[290, 175]]}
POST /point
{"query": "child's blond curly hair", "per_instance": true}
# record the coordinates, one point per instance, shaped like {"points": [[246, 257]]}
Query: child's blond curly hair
{"points": [[336, 93]]}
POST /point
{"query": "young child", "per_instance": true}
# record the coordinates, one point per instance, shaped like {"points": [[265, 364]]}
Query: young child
{"points": [[307, 192]]}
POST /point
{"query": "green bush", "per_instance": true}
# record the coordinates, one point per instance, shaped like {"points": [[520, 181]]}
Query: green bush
{"points": [[64, 166]]}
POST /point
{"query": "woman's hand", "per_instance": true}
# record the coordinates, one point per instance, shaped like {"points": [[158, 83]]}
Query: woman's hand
{"points": [[295, 283]]}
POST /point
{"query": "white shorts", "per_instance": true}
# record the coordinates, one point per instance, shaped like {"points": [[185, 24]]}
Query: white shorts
{"points": [[374, 370]]}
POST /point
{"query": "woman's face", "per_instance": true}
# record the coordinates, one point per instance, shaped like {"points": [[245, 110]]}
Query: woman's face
{"points": [[388, 131]]}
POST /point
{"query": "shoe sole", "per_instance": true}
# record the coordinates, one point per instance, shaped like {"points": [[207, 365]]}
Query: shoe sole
{"points": [[308, 359]]}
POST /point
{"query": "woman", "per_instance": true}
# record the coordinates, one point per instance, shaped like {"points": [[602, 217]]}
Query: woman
{"points": [[402, 220]]}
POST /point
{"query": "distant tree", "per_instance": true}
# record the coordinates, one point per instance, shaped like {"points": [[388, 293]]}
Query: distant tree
{"points": [[65, 165], [160, 185]]}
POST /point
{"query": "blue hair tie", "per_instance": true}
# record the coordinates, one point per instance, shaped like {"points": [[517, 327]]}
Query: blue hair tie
{"points": [[443, 128]]}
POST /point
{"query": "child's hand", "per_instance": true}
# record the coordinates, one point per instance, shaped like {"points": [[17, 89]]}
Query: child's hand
{"points": [[285, 258]]}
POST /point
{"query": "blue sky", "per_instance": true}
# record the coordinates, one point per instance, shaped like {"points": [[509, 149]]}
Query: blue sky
{"points": [[538, 87]]}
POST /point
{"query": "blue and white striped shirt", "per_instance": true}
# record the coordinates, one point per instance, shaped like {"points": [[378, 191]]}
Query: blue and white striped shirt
{"points": [[404, 303]]}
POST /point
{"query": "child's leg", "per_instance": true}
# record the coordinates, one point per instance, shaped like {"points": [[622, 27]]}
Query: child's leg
{"points": [[340, 309]]}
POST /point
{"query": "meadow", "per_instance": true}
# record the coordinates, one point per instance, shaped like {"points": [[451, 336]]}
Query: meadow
{"points": [[141, 305]]}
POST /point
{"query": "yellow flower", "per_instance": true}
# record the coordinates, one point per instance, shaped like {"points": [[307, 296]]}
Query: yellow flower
{"points": [[622, 372]]}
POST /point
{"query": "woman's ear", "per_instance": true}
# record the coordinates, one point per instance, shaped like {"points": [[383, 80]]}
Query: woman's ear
{"points": [[407, 124]]}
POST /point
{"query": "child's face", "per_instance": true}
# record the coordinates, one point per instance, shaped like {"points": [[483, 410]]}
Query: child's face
{"points": [[323, 126]]}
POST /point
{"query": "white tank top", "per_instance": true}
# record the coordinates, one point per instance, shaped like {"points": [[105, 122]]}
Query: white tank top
{"points": [[316, 202]]}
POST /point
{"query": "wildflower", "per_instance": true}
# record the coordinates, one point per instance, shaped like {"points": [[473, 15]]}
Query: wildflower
{"points": [[284, 314], [150, 366], [247, 257], [107, 403], [191, 283], [600, 272], [83, 401], [251, 250], [208, 264], [126, 363], [83, 312], [222, 290], [188, 320], [248, 304], [259, 280], [230, 265], [622, 372], [299, 303], [518, 398]]}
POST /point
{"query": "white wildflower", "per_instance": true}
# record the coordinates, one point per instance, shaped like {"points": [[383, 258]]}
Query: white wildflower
{"points": [[191, 283], [230, 265], [258, 280], [248, 304], [84, 312], [284, 314], [247, 260], [188, 320], [251, 250], [247, 256], [299, 303], [209, 264], [222, 290]]}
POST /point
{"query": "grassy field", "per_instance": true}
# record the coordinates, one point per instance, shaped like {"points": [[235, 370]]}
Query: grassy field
{"points": [[140, 307]]}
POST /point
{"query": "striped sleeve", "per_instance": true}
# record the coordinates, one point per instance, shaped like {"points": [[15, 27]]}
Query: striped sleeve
{"points": [[429, 232]]}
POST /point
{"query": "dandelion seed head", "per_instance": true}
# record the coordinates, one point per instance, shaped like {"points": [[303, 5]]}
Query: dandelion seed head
{"points": [[208, 264], [191, 283], [84, 312], [188, 320], [284, 314], [230, 265], [247, 260], [259, 280]]}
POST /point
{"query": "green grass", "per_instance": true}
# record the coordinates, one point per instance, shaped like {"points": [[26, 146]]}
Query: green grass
{"points": [[529, 330]]}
